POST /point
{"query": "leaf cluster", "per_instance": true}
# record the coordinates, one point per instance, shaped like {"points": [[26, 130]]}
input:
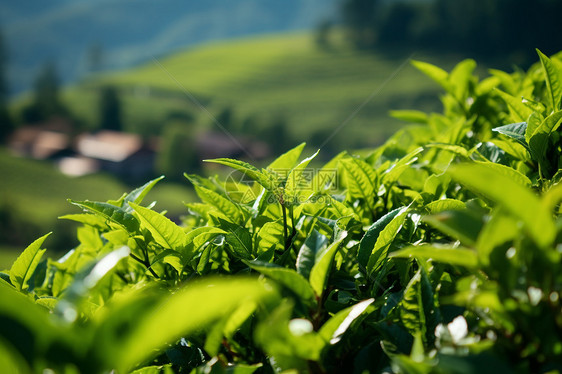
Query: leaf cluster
{"points": [[436, 252]]}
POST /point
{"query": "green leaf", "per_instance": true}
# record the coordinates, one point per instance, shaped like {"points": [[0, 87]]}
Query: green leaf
{"points": [[26, 263], [165, 232], [247, 169], [518, 110], [312, 246], [170, 257], [110, 213], [296, 185], [87, 219], [320, 272], [289, 342], [28, 329], [384, 240], [239, 239], [418, 311], [333, 330], [437, 74], [509, 172], [361, 179], [287, 278], [554, 88], [367, 243], [461, 224], [515, 131], [460, 78], [439, 206], [287, 160], [228, 208], [499, 229], [191, 309], [137, 195], [414, 116], [270, 235], [511, 195], [452, 256], [533, 124], [87, 279], [392, 174], [456, 149], [539, 142]]}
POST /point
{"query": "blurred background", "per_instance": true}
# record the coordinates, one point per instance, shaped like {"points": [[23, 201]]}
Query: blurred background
{"points": [[99, 96]]}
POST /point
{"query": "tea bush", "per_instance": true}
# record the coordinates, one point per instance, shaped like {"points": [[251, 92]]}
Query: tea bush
{"points": [[439, 251]]}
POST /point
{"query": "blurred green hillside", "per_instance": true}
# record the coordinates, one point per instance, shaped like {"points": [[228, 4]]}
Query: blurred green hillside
{"points": [[269, 79]]}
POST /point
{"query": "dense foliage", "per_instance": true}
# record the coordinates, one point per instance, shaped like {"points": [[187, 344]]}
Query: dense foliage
{"points": [[436, 252]]}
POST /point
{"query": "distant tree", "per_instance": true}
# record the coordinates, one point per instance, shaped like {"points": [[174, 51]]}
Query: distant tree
{"points": [[110, 109], [177, 152], [6, 123], [322, 37], [94, 58], [46, 102], [359, 17]]}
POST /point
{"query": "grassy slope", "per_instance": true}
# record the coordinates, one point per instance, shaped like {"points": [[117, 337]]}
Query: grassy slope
{"points": [[37, 193], [277, 75]]}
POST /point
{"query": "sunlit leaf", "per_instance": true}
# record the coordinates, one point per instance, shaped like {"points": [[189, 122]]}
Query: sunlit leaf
{"points": [[452, 256], [165, 232], [320, 272], [111, 213], [511, 195], [553, 85], [333, 330], [24, 266]]}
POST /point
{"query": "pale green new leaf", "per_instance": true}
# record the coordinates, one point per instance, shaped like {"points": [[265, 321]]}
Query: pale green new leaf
{"points": [[270, 235], [87, 219], [287, 160], [511, 173], [439, 206], [437, 74], [511, 195], [165, 232], [320, 272], [460, 77], [452, 256], [24, 266], [247, 169], [138, 194], [519, 111], [553, 85], [414, 116], [296, 184]]}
